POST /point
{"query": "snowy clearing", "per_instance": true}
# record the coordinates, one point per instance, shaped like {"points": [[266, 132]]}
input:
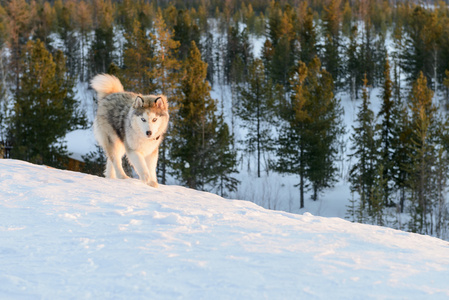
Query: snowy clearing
{"points": [[67, 235]]}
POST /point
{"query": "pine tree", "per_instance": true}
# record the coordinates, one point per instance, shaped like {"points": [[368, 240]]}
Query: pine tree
{"points": [[83, 21], [422, 154], [45, 109], [401, 147], [201, 146], [238, 55], [19, 25], [209, 57], [367, 63], [308, 142], [164, 65], [441, 213], [308, 38], [353, 64], [129, 11], [420, 51], [249, 18], [325, 128], [331, 32], [376, 209], [254, 107], [45, 23], [67, 33], [363, 172], [267, 56], [137, 74], [185, 31], [102, 47], [94, 162], [386, 128], [284, 38], [347, 18], [165, 69], [291, 150]]}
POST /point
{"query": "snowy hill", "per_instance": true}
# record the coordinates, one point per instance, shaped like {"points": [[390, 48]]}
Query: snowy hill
{"points": [[67, 235]]}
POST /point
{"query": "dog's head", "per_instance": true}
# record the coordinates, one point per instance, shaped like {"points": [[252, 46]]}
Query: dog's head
{"points": [[151, 115]]}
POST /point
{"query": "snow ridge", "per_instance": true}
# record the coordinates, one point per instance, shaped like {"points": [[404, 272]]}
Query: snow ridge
{"points": [[72, 235]]}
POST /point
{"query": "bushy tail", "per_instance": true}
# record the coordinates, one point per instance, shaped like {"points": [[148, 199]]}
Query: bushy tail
{"points": [[105, 84]]}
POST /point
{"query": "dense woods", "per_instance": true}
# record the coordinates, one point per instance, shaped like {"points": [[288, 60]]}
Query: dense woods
{"points": [[285, 99]]}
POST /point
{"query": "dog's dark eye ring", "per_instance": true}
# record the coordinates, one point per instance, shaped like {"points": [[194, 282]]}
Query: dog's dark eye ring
{"points": [[143, 119], [155, 119]]}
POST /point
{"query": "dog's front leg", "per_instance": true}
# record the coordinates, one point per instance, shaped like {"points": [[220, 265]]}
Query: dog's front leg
{"points": [[140, 165], [152, 164]]}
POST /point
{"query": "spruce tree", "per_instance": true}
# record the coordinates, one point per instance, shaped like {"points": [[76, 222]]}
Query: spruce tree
{"points": [[308, 142], [353, 64], [420, 50], [238, 55], [185, 31], [376, 209], [291, 151], [283, 35], [422, 154], [366, 53], [165, 71], [364, 146], [209, 57], [331, 32], [67, 33], [45, 109], [19, 25], [83, 21], [401, 149], [46, 23], [308, 38], [254, 106], [386, 128], [137, 61], [102, 47], [201, 145], [164, 65], [324, 130]]}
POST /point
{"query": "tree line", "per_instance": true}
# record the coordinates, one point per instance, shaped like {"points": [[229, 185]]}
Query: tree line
{"points": [[284, 99]]}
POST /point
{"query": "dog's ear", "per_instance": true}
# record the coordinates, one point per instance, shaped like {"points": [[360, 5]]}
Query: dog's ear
{"points": [[160, 102], [138, 102]]}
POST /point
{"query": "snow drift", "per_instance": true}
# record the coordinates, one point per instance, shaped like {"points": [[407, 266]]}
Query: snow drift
{"points": [[66, 235]]}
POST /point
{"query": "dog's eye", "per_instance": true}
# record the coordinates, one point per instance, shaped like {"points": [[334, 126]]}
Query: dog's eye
{"points": [[143, 119], [155, 119]]}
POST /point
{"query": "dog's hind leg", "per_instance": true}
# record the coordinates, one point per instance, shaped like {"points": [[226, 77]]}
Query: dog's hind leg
{"points": [[140, 165], [114, 164], [110, 170]]}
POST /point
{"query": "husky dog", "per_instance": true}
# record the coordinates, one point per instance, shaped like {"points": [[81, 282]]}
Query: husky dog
{"points": [[129, 123]]}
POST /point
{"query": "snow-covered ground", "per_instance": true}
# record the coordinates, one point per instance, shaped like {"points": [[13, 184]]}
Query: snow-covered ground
{"points": [[273, 191], [67, 235]]}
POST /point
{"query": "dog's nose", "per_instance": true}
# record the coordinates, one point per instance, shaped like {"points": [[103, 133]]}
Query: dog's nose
{"points": [[149, 133]]}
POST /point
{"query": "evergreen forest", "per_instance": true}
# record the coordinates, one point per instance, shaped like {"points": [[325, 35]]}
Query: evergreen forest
{"points": [[286, 66]]}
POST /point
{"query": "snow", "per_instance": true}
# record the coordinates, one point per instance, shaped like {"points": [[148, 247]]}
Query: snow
{"points": [[68, 235], [80, 142]]}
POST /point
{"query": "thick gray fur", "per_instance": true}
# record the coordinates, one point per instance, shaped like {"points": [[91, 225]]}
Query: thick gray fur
{"points": [[129, 123]]}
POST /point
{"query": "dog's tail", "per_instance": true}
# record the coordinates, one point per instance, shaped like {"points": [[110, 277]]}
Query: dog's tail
{"points": [[105, 84]]}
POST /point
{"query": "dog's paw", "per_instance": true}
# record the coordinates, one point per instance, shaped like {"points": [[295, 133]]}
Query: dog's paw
{"points": [[153, 184], [147, 179]]}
